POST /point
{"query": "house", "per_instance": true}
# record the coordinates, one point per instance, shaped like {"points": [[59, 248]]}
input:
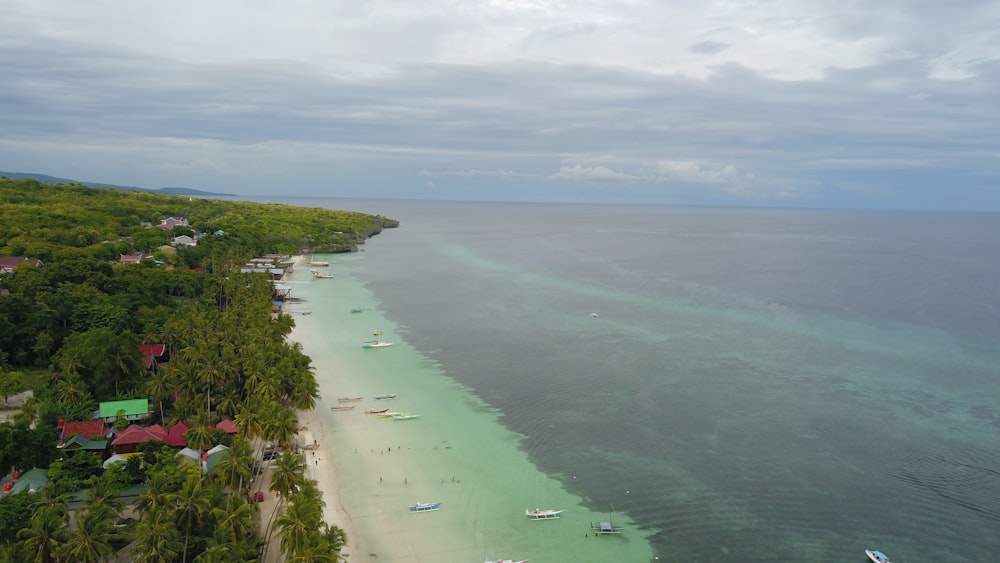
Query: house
{"points": [[175, 436], [10, 263], [130, 438], [227, 426], [184, 240], [170, 222], [89, 429], [133, 409], [33, 480], [154, 355], [130, 259], [213, 456], [77, 444]]}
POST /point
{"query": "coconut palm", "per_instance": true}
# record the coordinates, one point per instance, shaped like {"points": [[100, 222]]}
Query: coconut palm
{"points": [[233, 470], [90, 540], [237, 521], [200, 435], [45, 532], [161, 385], [157, 538], [190, 505]]}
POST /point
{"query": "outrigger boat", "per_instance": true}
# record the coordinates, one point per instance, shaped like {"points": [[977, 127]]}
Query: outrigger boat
{"points": [[349, 399], [320, 275], [375, 344], [343, 407], [425, 506], [406, 417], [877, 556], [539, 514], [373, 411], [507, 561], [390, 396], [388, 414], [606, 527]]}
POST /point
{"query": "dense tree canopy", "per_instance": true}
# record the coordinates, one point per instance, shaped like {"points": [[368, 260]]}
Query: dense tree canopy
{"points": [[70, 330]]}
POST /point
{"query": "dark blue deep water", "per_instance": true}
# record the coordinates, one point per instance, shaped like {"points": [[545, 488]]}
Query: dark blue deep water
{"points": [[757, 384]]}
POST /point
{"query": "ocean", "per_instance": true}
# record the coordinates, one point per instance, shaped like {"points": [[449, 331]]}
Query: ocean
{"points": [[744, 384]]}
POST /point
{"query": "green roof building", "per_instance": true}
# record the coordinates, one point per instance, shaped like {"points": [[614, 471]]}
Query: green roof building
{"points": [[134, 409]]}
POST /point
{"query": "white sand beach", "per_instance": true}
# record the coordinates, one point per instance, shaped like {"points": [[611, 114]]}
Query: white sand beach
{"points": [[370, 469]]}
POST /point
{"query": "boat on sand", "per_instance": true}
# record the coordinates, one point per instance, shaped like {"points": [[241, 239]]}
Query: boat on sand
{"points": [[376, 411]]}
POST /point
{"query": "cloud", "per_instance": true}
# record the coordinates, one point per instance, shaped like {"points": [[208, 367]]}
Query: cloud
{"points": [[708, 47], [599, 173], [693, 172]]}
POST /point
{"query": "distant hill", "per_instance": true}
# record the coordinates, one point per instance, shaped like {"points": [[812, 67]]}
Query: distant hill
{"points": [[53, 180]]}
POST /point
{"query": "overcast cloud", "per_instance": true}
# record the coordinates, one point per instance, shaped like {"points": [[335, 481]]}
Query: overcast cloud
{"points": [[818, 103]]}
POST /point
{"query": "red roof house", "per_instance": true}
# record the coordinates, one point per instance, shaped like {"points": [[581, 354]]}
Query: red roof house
{"points": [[154, 354], [175, 436], [86, 429], [227, 426], [130, 438]]}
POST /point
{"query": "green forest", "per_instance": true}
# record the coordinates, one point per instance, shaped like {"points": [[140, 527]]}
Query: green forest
{"points": [[72, 318]]}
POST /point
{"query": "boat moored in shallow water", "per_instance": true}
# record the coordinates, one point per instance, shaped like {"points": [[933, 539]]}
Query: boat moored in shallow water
{"points": [[375, 344], [877, 556], [541, 514], [425, 506]]}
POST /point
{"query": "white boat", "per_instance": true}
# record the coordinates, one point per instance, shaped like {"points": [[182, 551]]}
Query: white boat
{"points": [[877, 556], [388, 414], [425, 506], [540, 514], [507, 561], [375, 344], [320, 275], [406, 417], [319, 263]]}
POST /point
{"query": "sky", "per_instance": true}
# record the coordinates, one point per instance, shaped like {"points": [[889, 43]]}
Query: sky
{"points": [[791, 103]]}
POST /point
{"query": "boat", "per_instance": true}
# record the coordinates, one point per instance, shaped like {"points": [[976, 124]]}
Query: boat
{"points": [[320, 275], [389, 414], [349, 399], [539, 514], [319, 263], [375, 344], [406, 417], [607, 526], [357, 310], [376, 333], [507, 561], [343, 407], [389, 396], [425, 506], [877, 556], [373, 411]]}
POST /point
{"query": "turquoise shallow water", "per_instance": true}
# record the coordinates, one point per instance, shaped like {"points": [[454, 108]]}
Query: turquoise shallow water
{"points": [[757, 382], [455, 452]]}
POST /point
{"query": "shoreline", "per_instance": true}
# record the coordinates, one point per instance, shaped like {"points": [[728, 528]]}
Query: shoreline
{"points": [[370, 469]]}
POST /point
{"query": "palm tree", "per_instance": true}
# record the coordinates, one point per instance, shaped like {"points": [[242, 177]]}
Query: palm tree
{"points": [[237, 520], [102, 497], [295, 528], [190, 505], [161, 385], [157, 538], [233, 470], [90, 540], [71, 389], [200, 435], [44, 535]]}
